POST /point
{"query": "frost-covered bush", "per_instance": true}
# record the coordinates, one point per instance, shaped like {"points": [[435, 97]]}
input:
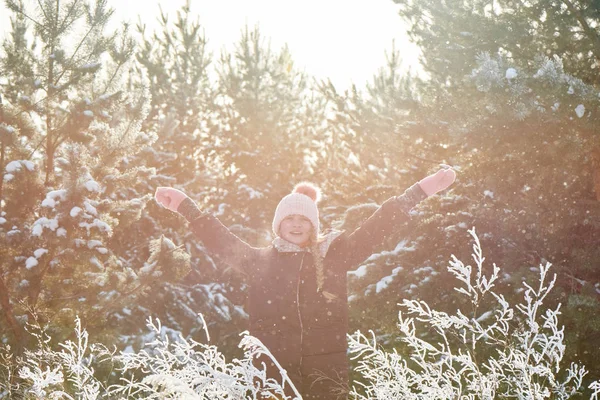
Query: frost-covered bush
{"points": [[190, 370], [44, 373], [163, 369], [524, 344]]}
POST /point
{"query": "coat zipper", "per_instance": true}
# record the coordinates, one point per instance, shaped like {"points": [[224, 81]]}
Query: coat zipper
{"points": [[299, 311]]}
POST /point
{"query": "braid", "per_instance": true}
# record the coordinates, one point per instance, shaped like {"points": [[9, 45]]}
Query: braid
{"points": [[314, 249]]}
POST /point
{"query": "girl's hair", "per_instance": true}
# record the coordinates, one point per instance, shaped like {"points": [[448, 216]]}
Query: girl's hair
{"points": [[315, 242]]}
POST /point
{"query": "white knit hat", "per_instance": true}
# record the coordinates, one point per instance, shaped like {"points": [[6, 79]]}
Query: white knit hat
{"points": [[302, 201]]}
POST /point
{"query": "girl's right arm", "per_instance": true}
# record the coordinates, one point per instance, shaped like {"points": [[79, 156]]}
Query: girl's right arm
{"points": [[218, 240]]}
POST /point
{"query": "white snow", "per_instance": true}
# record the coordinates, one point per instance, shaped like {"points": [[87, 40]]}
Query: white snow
{"points": [[61, 232], [423, 269], [92, 186], [571, 90], [75, 211], [2, 221], [359, 272], [511, 73], [31, 262], [353, 159], [7, 128], [252, 193], [580, 110], [13, 166], [397, 270], [41, 223], [61, 194], [13, 232], [28, 164], [102, 250], [40, 252], [101, 225], [484, 316], [8, 177], [88, 113], [16, 165], [53, 197], [38, 228], [555, 106], [90, 209], [402, 246], [49, 203], [95, 262], [93, 243], [90, 65], [383, 283], [488, 193]]}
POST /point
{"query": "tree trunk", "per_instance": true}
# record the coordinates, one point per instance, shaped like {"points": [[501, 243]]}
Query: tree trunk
{"points": [[596, 171], [8, 313], [49, 136], [2, 155], [49, 162]]}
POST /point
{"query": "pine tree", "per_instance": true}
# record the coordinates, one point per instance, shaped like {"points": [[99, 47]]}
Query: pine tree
{"points": [[266, 124], [519, 102], [177, 64], [450, 33], [71, 115]]}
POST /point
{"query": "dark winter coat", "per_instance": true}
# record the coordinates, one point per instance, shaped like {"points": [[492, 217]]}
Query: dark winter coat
{"points": [[305, 331]]}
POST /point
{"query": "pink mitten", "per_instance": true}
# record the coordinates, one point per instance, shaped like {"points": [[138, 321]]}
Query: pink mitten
{"points": [[169, 197], [438, 181]]}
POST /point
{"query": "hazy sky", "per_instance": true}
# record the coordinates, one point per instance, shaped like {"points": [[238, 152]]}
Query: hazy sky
{"points": [[344, 40]]}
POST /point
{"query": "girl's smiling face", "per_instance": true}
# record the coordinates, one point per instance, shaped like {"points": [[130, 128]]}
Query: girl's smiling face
{"points": [[296, 229]]}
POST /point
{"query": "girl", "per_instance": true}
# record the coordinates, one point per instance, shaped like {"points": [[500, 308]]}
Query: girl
{"points": [[297, 296]]}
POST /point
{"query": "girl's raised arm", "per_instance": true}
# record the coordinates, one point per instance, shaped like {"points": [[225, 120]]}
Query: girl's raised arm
{"points": [[394, 211], [218, 240]]}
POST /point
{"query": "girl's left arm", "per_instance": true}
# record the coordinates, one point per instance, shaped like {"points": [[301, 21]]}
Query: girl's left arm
{"points": [[361, 243]]}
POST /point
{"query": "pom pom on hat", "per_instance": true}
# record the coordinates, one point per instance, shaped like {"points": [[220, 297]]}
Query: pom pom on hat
{"points": [[308, 189]]}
